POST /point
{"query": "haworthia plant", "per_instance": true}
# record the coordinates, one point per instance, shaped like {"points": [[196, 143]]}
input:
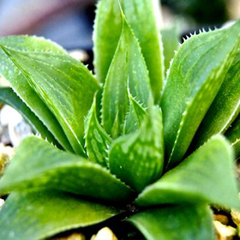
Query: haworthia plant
{"points": [[106, 148], [127, 71], [141, 17], [137, 158], [61, 78], [225, 107], [195, 77], [176, 217]]}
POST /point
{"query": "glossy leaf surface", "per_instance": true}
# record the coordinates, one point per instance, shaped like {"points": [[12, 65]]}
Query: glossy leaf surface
{"points": [[96, 139], [225, 107], [137, 158], [64, 84], [199, 178], [19, 83], [180, 222], [7, 96], [196, 75], [127, 71], [142, 19], [38, 215], [51, 168]]}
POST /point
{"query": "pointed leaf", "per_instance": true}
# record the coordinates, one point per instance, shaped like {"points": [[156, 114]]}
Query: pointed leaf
{"points": [[233, 135], [199, 178], [137, 158], [20, 84], [134, 117], [196, 75], [60, 81], [170, 40], [37, 164], [128, 70], [7, 96], [107, 31], [96, 139], [38, 215], [141, 16], [225, 107], [186, 222]]}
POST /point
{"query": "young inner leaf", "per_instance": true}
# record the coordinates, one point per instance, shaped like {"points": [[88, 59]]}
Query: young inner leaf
{"points": [[137, 158], [127, 71], [97, 140]]}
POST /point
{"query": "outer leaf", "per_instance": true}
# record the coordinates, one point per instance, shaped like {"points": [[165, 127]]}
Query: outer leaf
{"points": [[128, 70], [60, 81], [96, 139], [233, 135], [135, 116], [186, 222], [225, 107], [7, 96], [141, 17], [37, 164], [19, 82], [38, 215], [196, 74], [199, 178], [137, 158]]}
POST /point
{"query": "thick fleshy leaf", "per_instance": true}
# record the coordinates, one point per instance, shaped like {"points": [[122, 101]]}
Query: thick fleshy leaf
{"points": [[134, 117], [180, 222], [143, 21], [37, 164], [142, 17], [196, 75], [19, 82], [137, 158], [107, 31], [127, 71], [199, 178], [38, 215], [64, 84], [225, 107], [96, 139], [7, 96], [233, 135], [170, 40]]}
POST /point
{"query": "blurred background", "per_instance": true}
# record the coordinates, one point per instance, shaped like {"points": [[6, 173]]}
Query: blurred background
{"points": [[69, 22]]}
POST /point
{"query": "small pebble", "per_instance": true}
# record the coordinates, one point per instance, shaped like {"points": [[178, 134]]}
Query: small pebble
{"points": [[235, 216], [104, 234], [221, 218], [224, 232], [1, 203], [79, 55], [13, 126], [6, 154]]}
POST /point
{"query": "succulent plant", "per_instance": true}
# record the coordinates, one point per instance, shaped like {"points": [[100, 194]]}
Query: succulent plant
{"points": [[126, 138]]}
